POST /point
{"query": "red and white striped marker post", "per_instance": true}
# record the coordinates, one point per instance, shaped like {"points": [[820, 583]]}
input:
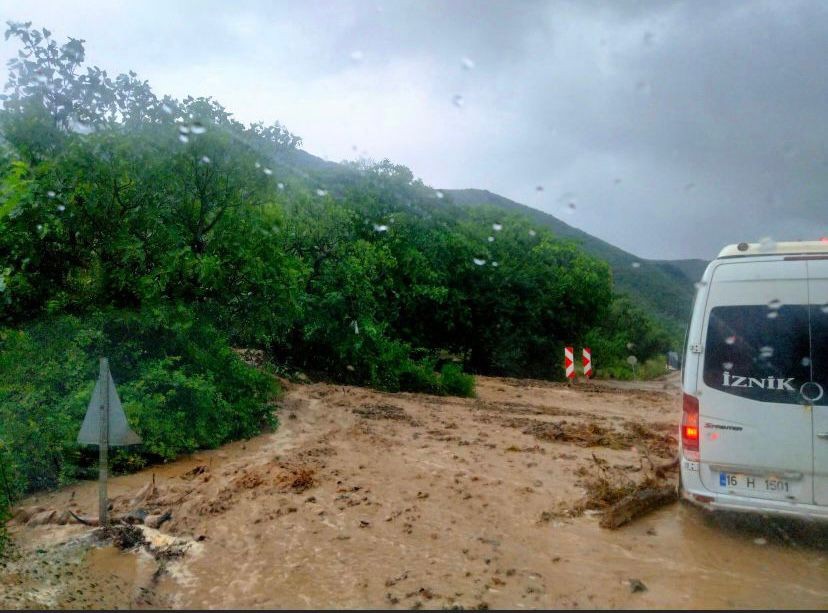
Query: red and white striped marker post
{"points": [[569, 362], [587, 362]]}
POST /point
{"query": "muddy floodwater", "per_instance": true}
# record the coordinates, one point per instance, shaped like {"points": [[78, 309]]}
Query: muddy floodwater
{"points": [[366, 499]]}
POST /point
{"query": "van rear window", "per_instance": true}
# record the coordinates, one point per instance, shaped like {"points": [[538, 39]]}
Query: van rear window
{"points": [[758, 352]]}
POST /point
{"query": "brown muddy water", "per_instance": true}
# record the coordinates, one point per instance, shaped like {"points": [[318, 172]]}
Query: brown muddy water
{"points": [[365, 499]]}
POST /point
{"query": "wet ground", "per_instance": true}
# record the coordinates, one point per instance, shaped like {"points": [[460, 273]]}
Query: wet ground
{"points": [[365, 499]]}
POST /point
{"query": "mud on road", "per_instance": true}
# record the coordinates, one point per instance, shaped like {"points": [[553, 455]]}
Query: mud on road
{"points": [[366, 499]]}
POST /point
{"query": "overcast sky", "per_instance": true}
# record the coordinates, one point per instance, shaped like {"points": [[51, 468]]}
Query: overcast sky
{"points": [[674, 127]]}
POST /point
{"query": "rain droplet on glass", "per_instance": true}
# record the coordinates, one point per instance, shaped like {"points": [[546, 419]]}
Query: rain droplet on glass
{"points": [[766, 351], [51, 194], [439, 194], [184, 138], [490, 239], [727, 365], [495, 264], [467, 63], [321, 192], [61, 208], [539, 188], [730, 340], [458, 100], [636, 264], [479, 261], [532, 233], [197, 128], [773, 314], [630, 345], [167, 109], [380, 228], [806, 361], [497, 227], [280, 185], [267, 171], [767, 244]]}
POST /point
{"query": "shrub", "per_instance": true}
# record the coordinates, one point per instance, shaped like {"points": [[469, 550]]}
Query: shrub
{"points": [[181, 385], [454, 382]]}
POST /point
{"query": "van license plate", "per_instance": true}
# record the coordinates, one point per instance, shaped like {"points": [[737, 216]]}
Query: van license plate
{"points": [[736, 481]]}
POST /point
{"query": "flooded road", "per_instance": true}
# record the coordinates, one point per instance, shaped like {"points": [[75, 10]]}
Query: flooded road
{"points": [[365, 499]]}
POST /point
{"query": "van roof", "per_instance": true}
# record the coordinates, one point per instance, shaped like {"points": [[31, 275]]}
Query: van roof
{"points": [[771, 248]]}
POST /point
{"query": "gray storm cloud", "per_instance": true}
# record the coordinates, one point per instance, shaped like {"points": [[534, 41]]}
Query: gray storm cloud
{"points": [[675, 127]]}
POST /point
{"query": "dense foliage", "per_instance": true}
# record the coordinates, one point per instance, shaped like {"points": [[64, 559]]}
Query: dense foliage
{"points": [[163, 232]]}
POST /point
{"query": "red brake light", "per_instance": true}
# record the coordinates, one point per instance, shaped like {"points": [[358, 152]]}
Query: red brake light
{"points": [[690, 427]]}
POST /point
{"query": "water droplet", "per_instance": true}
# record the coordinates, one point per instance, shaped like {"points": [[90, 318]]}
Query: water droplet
{"points": [[632, 360], [257, 165], [539, 188], [167, 109], [532, 233], [51, 194], [730, 340], [467, 63], [183, 129], [806, 361], [767, 244], [636, 264], [571, 206], [773, 314], [184, 138], [280, 185], [479, 261], [350, 368], [630, 345], [458, 101], [80, 127], [760, 541], [61, 208], [775, 304], [321, 192], [267, 171], [699, 284], [197, 128], [497, 227], [766, 352], [727, 365], [439, 194], [490, 239], [39, 227], [380, 228], [824, 308], [357, 56], [355, 326]]}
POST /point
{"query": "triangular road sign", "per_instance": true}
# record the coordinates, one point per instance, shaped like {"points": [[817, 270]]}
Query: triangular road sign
{"points": [[120, 433]]}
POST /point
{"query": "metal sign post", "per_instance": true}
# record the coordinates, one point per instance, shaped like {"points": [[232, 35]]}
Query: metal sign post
{"points": [[105, 425], [103, 444]]}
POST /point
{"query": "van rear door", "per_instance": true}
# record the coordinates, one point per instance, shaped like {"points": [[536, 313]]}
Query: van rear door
{"points": [[756, 436], [818, 289]]}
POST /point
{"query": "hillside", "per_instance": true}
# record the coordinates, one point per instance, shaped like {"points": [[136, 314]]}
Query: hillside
{"points": [[664, 287]]}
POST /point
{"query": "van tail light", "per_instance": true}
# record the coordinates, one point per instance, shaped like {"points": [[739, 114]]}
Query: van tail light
{"points": [[690, 427]]}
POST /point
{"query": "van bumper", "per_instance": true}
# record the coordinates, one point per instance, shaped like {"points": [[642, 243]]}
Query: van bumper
{"points": [[693, 492]]}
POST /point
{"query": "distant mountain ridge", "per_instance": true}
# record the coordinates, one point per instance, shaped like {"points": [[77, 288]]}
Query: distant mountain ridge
{"points": [[664, 287]]}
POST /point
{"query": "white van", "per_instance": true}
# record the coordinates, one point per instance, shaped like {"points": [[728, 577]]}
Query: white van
{"points": [[754, 429]]}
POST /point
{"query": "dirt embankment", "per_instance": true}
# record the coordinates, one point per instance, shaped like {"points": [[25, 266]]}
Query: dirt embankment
{"points": [[365, 499]]}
